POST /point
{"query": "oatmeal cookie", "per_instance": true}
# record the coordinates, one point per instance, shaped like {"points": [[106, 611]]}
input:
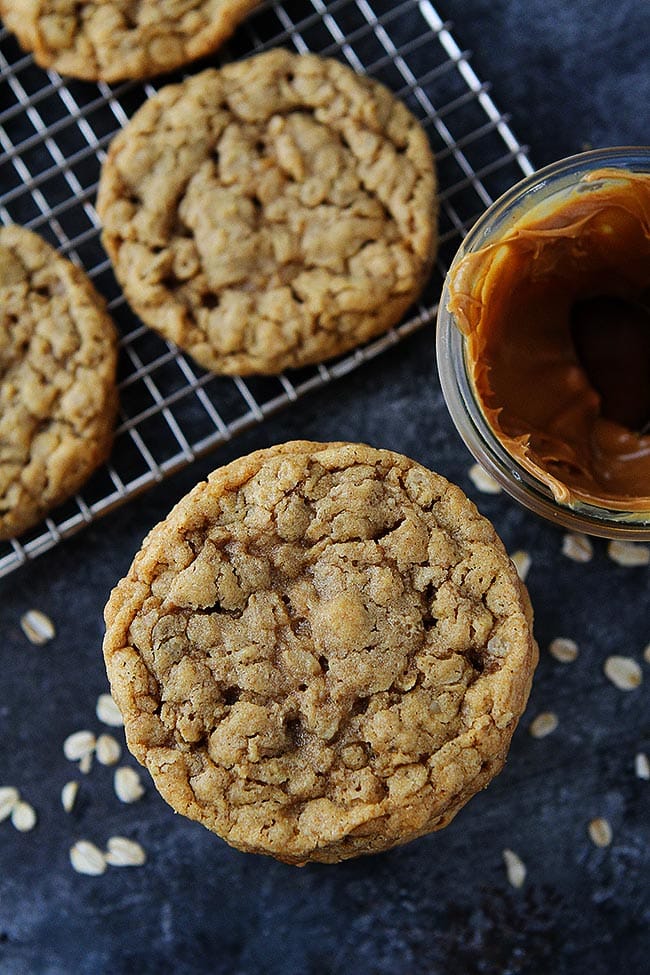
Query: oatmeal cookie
{"points": [[58, 397], [323, 651], [271, 214], [111, 40]]}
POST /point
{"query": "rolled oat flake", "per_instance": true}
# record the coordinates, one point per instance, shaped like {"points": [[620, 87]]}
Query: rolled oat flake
{"points": [[69, 795], [9, 797], [515, 868], [87, 858], [577, 547], [624, 672], [628, 554], [544, 724], [642, 766], [23, 816], [37, 627], [600, 832], [123, 852], [127, 784], [108, 750], [483, 481], [563, 649], [79, 744], [108, 712]]}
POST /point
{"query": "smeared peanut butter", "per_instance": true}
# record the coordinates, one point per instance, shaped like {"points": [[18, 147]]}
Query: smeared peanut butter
{"points": [[557, 321]]}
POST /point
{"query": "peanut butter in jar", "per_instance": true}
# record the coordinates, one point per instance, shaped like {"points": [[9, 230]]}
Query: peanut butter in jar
{"points": [[552, 299]]}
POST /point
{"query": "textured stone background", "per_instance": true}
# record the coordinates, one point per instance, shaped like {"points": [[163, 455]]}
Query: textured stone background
{"points": [[571, 74]]}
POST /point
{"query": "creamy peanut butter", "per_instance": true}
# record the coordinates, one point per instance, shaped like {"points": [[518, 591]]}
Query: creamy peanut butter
{"points": [[556, 315]]}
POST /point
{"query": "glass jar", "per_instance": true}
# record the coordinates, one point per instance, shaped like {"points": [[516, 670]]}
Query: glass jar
{"points": [[551, 185]]}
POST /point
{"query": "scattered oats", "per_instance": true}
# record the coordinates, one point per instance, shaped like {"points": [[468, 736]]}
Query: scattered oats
{"points": [[69, 795], [624, 672], [577, 547], [646, 654], [86, 763], [78, 745], [37, 627], [23, 816], [642, 766], [123, 852], [629, 554], [108, 712], [544, 724], [600, 832], [127, 784], [87, 858], [8, 799], [515, 868], [483, 481], [563, 649], [108, 750], [522, 562]]}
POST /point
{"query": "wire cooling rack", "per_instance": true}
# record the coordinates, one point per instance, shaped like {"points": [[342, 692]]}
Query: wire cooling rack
{"points": [[53, 138]]}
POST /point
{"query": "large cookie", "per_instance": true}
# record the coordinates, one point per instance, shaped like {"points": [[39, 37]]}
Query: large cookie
{"points": [[323, 651], [58, 397], [271, 214], [115, 39]]}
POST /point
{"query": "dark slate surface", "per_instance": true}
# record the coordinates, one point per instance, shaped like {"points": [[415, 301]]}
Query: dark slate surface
{"points": [[572, 74]]}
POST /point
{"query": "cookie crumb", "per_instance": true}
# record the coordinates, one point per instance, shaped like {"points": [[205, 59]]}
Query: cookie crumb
{"points": [[577, 547], [23, 816], [624, 672], [108, 712], [600, 832], [37, 627], [108, 750], [646, 654], [69, 795], [563, 649], [515, 868], [127, 784], [522, 562], [483, 481], [642, 766], [9, 797], [87, 858], [628, 554], [544, 724], [123, 852]]}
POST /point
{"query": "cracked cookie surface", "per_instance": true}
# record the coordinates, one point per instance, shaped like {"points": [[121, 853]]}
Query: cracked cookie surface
{"points": [[323, 651], [271, 214], [58, 399], [112, 40]]}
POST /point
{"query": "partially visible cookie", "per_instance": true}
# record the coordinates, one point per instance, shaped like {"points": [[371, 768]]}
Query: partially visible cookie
{"points": [[271, 214], [111, 40], [58, 399], [323, 651]]}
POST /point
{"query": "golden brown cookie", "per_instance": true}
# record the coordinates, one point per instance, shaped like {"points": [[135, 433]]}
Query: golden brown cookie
{"points": [[111, 40], [271, 214], [323, 651], [58, 399]]}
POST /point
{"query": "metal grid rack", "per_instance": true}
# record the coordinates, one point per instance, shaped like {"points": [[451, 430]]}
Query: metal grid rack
{"points": [[53, 138]]}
